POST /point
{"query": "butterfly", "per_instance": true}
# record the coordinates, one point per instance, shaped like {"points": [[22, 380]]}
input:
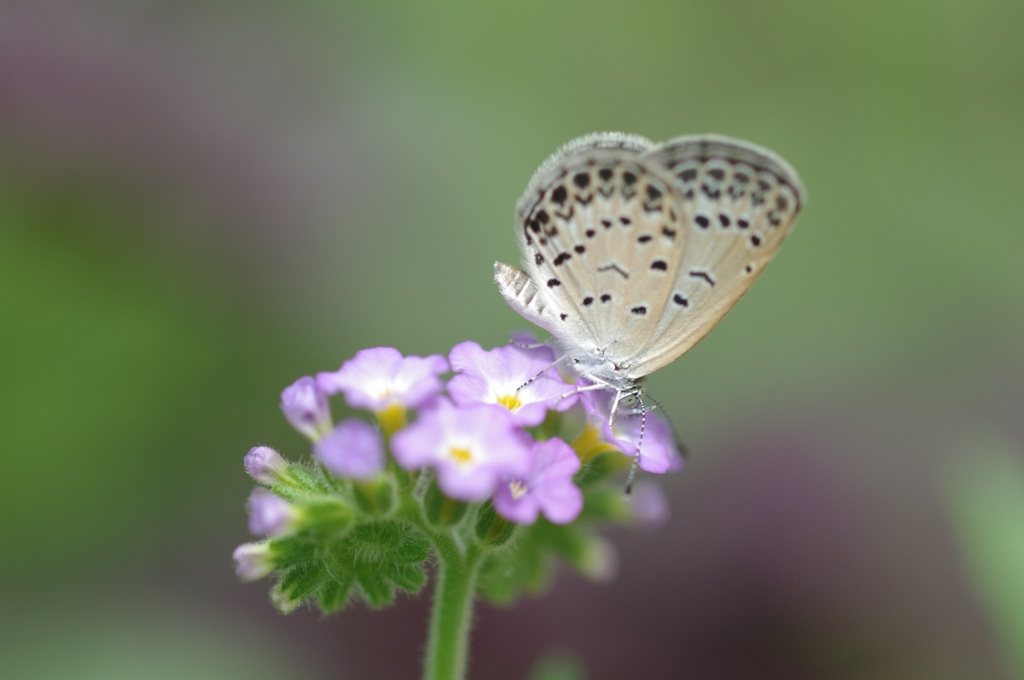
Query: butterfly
{"points": [[632, 251]]}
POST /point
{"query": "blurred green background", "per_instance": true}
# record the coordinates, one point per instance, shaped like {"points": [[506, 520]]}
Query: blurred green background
{"points": [[202, 201]]}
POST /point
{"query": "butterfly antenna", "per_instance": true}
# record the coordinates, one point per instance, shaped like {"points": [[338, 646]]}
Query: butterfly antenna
{"points": [[683, 451], [628, 492], [541, 371]]}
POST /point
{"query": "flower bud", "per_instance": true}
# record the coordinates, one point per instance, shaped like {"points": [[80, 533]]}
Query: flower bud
{"points": [[649, 505], [440, 510], [375, 497], [253, 561], [269, 514], [492, 529], [265, 465], [305, 406]]}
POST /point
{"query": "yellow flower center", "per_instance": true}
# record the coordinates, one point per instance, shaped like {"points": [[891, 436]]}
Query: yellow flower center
{"points": [[460, 456], [392, 419], [589, 444], [518, 489], [510, 401]]}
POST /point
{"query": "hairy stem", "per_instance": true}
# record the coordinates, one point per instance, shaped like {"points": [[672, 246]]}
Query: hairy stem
{"points": [[452, 614]]}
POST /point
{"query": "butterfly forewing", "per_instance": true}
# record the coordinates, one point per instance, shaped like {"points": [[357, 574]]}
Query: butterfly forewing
{"points": [[591, 238]]}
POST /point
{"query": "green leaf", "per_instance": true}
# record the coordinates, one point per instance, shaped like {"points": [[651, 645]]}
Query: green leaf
{"points": [[408, 577], [375, 587], [505, 575], [335, 593]]}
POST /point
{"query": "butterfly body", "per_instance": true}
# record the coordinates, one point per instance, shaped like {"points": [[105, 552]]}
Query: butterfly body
{"points": [[633, 251]]}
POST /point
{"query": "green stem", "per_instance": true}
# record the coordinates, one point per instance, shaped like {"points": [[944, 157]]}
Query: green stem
{"points": [[452, 614]]}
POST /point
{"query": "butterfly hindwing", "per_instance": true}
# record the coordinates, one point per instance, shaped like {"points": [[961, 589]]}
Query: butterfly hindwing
{"points": [[632, 252], [740, 202]]}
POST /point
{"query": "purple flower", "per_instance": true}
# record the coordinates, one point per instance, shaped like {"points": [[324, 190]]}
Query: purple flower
{"points": [[305, 406], [496, 376], [269, 514], [471, 448], [658, 450], [265, 465], [252, 561], [379, 378], [649, 505], [353, 449], [546, 488]]}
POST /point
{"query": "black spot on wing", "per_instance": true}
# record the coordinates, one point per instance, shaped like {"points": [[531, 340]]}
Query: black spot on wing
{"points": [[701, 274]]}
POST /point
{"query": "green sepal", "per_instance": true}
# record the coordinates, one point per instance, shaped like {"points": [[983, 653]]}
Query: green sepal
{"points": [[289, 551], [298, 583], [375, 497], [441, 511], [299, 481], [492, 529], [600, 467], [605, 504], [324, 516], [587, 553], [506, 574]]}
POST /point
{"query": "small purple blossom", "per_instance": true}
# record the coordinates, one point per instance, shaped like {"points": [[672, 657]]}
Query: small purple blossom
{"points": [[471, 447], [649, 505], [496, 376], [305, 406], [269, 514], [265, 465], [658, 450], [379, 378], [353, 449], [547, 488], [252, 561]]}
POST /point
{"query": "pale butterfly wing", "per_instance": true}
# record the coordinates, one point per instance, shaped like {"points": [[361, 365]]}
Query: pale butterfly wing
{"points": [[633, 252], [740, 201]]}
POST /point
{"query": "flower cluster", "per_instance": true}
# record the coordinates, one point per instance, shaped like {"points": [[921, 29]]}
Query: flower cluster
{"points": [[505, 448]]}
